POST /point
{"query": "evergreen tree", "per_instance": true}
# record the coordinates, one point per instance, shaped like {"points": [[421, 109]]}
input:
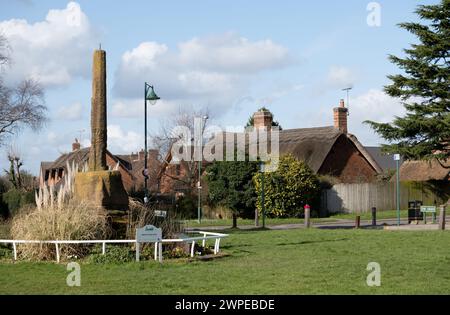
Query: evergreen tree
{"points": [[423, 88]]}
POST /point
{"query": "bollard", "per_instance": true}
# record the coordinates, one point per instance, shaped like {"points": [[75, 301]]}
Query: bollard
{"points": [[374, 216], [256, 218], [358, 222], [307, 216], [442, 218]]}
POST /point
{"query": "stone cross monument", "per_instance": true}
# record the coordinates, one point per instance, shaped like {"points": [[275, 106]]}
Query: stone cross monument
{"points": [[100, 186], [97, 153]]}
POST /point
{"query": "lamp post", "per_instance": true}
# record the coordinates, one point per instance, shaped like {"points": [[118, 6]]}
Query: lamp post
{"points": [[397, 164], [199, 183], [263, 206], [149, 95]]}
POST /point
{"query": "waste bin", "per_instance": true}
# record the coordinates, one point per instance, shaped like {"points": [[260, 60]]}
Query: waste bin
{"points": [[414, 213]]}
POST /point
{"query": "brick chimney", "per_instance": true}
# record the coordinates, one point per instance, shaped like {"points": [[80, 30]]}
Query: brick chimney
{"points": [[134, 156], [141, 156], [262, 119], [76, 145], [340, 117], [153, 154]]}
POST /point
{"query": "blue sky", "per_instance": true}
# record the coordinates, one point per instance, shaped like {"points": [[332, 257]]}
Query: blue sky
{"points": [[233, 57]]}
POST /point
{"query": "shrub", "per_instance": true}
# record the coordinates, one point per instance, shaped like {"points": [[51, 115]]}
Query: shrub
{"points": [[288, 189], [230, 185], [5, 252], [139, 215], [13, 200], [186, 206], [115, 254]]}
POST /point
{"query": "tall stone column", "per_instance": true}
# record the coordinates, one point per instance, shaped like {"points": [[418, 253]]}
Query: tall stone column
{"points": [[97, 153], [99, 186]]}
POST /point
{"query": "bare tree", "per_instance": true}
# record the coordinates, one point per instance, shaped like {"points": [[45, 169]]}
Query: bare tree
{"points": [[4, 57], [164, 139], [20, 106]]}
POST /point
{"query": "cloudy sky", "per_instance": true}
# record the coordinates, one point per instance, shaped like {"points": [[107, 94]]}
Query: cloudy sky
{"points": [[294, 57]]}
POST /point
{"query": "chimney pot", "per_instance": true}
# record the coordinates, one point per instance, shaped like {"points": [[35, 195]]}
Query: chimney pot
{"points": [[340, 117], [262, 119], [76, 145], [141, 156]]}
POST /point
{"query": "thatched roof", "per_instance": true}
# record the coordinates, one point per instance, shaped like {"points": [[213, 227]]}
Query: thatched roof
{"points": [[312, 145], [425, 170]]}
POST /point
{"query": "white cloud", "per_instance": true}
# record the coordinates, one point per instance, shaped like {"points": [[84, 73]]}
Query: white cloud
{"points": [[340, 77], [230, 53], [377, 106], [373, 105], [211, 71], [54, 50], [71, 112], [120, 141]]}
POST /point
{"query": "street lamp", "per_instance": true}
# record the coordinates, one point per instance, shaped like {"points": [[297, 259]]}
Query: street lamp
{"points": [[149, 95], [397, 163], [263, 206], [199, 184]]}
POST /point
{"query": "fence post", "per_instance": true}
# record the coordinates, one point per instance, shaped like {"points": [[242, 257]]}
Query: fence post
{"points": [[442, 217], [358, 222], [103, 248], [57, 252], [137, 251], [192, 248], [307, 216], [160, 251], [156, 251], [218, 245], [374, 216], [15, 250]]}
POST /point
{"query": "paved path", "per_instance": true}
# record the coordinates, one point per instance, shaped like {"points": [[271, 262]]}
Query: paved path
{"points": [[338, 224]]}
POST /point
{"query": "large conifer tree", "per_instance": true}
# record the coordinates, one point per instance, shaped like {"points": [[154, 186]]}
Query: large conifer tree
{"points": [[423, 87]]}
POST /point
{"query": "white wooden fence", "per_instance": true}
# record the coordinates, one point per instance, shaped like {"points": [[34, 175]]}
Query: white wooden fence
{"points": [[158, 246]]}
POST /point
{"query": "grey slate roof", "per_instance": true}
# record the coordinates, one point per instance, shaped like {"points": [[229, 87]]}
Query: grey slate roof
{"points": [[385, 161]]}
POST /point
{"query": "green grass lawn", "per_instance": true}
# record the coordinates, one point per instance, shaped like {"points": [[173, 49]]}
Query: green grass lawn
{"points": [[276, 221], [264, 262]]}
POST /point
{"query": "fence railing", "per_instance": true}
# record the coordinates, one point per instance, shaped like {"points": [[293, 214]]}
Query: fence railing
{"points": [[158, 245]]}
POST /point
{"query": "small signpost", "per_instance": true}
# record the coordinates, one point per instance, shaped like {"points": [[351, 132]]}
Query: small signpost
{"points": [[428, 209], [161, 213], [149, 234]]}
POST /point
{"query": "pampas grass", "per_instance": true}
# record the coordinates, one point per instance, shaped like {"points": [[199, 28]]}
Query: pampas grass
{"points": [[58, 217]]}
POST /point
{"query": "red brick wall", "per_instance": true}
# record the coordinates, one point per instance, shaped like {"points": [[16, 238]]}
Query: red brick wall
{"points": [[346, 163]]}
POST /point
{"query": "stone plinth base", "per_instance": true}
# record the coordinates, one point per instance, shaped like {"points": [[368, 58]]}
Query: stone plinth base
{"points": [[103, 188]]}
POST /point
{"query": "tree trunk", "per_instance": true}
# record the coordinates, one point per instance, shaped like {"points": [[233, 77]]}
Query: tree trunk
{"points": [[234, 220]]}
